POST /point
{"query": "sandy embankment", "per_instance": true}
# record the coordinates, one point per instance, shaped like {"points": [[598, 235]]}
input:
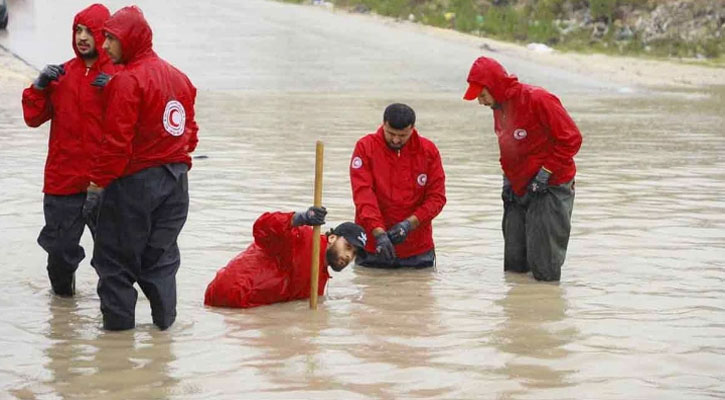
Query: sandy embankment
{"points": [[623, 70]]}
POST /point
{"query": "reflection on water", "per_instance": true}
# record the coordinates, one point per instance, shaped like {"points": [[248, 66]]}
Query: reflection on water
{"points": [[88, 363], [639, 312], [534, 334], [398, 320]]}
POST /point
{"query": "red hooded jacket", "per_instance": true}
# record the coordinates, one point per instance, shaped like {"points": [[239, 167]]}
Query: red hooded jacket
{"points": [[389, 186], [75, 109], [532, 126], [149, 118], [275, 268]]}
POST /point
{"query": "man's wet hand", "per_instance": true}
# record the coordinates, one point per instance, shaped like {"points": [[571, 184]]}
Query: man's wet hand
{"points": [[399, 232], [92, 205], [48, 74], [540, 183], [313, 216], [384, 247], [507, 193], [101, 80]]}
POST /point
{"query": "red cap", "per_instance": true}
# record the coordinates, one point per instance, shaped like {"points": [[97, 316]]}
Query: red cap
{"points": [[474, 89]]}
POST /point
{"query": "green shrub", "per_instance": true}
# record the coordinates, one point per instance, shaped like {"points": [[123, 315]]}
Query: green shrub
{"points": [[602, 10], [501, 21], [534, 21], [711, 48], [465, 15]]}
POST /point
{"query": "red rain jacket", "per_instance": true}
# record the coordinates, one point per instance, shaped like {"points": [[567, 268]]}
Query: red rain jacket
{"points": [[275, 268], [149, 118], [75, 109], [532, 126], [389, 186]]}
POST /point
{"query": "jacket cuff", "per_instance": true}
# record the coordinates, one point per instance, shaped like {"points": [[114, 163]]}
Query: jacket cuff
{"points": [[369, 226], [422, 218], [551, 167]]}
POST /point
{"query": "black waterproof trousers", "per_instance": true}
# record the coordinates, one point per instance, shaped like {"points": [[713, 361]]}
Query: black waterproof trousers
{"points": [[140, 218], [422, 260], [60, 238], [536, 232]]}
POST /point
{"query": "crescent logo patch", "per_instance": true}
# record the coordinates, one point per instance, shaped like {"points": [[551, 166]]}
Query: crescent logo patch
{"points": [[174, 118], [520, 134], [356, 162], [422, 179]]}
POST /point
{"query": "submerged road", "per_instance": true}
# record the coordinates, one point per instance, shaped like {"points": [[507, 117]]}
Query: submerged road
{"points": [[638, 314]]}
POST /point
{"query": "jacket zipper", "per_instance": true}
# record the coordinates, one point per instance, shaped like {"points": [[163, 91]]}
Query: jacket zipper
{"points": [[392, 173]]}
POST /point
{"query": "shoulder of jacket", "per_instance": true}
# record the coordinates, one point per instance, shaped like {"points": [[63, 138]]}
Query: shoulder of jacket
{"points": [[539, 94], [125, 75], [367, 140], [125, 79], [428, 145], [172, 72], [109, 67]]}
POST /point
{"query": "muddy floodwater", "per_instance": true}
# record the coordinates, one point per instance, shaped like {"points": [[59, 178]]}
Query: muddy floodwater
{"points": [[639, 312]]}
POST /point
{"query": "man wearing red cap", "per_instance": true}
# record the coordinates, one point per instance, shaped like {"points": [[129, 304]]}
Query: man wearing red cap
{"points": [[65, 95], [276, 267], [149, 133], [538, 140]]}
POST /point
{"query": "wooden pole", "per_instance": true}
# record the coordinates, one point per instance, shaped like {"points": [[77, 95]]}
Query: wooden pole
{"points": [[315, 264]]}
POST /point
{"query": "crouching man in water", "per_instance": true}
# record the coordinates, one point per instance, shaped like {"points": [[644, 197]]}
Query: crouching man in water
{"points": [[398, 187], [276, 266]]}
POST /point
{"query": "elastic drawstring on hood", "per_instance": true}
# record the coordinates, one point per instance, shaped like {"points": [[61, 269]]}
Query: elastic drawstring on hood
{"points": [[130, 27], [487, 72], [93, 17]]}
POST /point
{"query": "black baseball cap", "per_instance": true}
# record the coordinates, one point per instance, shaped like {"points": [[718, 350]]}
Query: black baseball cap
{"points": [[353, 233]]}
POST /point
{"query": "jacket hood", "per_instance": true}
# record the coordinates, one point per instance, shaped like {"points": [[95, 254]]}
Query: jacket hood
{"points": [[489, 73], [93, 16], [130, 27]]}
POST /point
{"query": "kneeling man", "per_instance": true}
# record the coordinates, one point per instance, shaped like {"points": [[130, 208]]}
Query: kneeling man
{"points": [[276, 266]]}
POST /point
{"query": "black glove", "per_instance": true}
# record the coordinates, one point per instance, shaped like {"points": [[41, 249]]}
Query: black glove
{"points": [[540, 183], [384, 247], [399, 232], [48, 74], [91, 207], [507, 193], [313, 216], [101, 80]]}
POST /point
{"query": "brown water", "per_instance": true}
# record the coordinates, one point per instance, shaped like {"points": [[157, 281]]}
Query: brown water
{"points": [[639, 313]]}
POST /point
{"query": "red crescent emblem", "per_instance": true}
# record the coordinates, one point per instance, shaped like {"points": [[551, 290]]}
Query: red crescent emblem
{"points": [[174, 119]]}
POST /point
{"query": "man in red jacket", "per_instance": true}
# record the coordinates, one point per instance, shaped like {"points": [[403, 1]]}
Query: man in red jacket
{"points": [[64, 95], [398, 187], [538, 140], [276, 266], [149, 131]]}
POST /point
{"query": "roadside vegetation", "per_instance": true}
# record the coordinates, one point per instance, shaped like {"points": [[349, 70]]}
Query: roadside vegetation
{"points": [[691, 29]]}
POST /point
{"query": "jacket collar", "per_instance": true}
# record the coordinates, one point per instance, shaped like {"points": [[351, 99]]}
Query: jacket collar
{"points": [[411, 146]]}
